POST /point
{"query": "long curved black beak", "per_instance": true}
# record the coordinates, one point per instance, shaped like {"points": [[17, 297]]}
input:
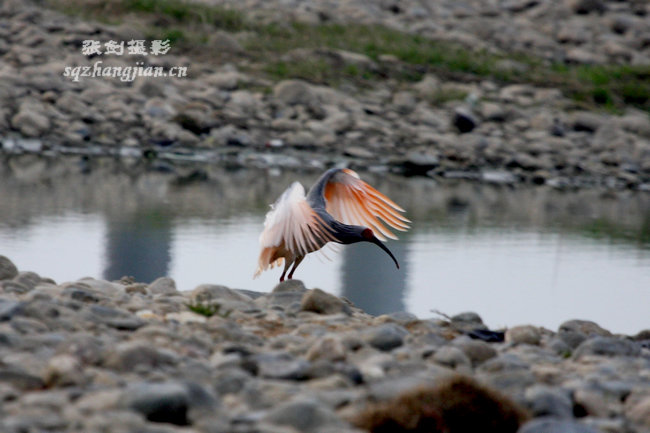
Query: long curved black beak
{"points": [[381, 245]]}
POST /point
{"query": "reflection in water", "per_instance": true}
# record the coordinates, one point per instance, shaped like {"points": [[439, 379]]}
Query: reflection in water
{"points": [[514, 255], [370, 279], [138, 246]]}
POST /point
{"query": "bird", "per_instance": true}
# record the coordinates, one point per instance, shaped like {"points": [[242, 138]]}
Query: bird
{"points": [[339, 207]]}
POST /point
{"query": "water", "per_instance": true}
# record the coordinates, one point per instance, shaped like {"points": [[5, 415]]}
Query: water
{"points": [[515, 256]]}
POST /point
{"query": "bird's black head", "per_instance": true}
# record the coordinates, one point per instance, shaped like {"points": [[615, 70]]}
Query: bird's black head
{"points": [[349, 234], [368, 236]]}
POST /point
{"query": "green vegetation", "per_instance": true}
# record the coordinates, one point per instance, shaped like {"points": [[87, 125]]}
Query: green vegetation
{"points": [[189, 24], [207, 310]]}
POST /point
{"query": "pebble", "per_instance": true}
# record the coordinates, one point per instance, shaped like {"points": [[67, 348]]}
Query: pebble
{"points": [[321, 302], [607, 346], [7, 269], [525, 334], [163, 286], [385, 337]]}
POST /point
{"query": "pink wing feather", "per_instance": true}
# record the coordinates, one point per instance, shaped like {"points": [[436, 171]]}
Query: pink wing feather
{"points": [[291, 226], [352, 201]]}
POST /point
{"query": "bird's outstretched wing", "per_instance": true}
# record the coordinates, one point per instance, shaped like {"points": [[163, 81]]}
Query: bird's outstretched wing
{"points": [[291, 226], [352, 201]]}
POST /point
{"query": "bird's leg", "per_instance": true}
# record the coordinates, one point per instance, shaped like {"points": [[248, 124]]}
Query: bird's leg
{"points": [[295, 265], [287, 263]]}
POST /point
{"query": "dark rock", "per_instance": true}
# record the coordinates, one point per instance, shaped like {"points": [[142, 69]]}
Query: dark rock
{"points": [[7, 269], [464, 120], [168, 402], [583, 7], [607, 346], [322, 302], [386, 337]]}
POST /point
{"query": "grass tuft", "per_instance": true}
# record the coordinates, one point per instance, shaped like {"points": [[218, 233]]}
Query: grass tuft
{"points": [[207, 310]]}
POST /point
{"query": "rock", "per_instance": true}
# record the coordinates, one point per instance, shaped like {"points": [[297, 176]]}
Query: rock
{"points": [[428, 87], [385, 337], [279, 366], [114, 318], [574, 332], [163, 286], [7, 269], [547, 401], [477, 351], [293, 92], [420, 162], [524, 335], [468, 321], [464, 120], [63, 370], [20, 379], [308, 416], [223, 42], [322, 302], [547, 425], [404, 102], [584, 7], [359, 152], [30, 122], [8, 309], [287, 294], [168, 402], [137, 354], [639, 412], [328, 348], [211, 293], [607, 346], [452, 357]]}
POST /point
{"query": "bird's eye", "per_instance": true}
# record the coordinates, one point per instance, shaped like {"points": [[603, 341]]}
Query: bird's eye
{"points": [[367, 233]]}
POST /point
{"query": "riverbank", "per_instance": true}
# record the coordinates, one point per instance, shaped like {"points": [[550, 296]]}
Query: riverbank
{"points": [[123, 356], [476, 114]]}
